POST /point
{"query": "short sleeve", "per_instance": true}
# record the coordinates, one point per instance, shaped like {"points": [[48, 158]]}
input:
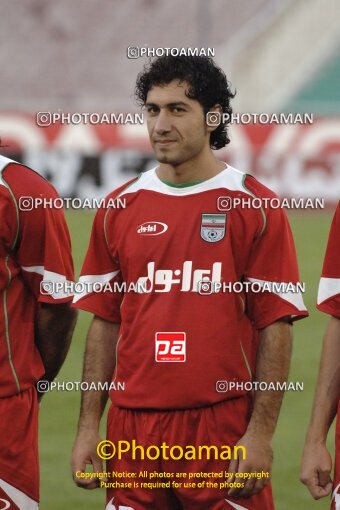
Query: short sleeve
{"points": [[9, 221], [98, 289], [329, 286], [272, 277], [43, 245]]}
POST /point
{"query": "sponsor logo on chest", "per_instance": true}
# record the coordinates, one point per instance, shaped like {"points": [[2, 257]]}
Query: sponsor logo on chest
{"points": [[152, 228], [170, 346], [187, 278], [213, 227]]}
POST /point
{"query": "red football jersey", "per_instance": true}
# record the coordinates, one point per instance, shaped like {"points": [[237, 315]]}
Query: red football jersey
{"points": [[34, 247], [329, 287], [329, 302], [173, 248]]}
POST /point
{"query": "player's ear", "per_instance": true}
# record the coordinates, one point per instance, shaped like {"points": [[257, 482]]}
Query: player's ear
{"points": [[213, 118]]}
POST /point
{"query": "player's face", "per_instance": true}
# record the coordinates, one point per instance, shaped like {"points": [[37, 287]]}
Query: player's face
{"points": [[176, 124]]}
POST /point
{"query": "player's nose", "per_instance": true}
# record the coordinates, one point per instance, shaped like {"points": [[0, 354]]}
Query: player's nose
{"points": [[163, 124]]}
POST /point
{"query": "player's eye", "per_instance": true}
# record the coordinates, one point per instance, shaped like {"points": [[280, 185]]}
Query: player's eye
{"points": [[178, 109], [152, 109]]}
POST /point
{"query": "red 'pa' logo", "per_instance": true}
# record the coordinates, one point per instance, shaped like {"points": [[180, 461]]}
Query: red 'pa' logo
{"points": [[170, 346]]}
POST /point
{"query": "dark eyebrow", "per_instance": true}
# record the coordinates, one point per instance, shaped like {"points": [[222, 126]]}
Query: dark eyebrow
{"points": [[173, 105]]}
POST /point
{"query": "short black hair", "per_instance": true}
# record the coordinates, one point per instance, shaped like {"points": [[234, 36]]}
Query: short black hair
{"points": [[207, 84]]}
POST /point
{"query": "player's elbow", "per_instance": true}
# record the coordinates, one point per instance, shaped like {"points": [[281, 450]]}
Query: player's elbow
{"points": [[62, 316]]}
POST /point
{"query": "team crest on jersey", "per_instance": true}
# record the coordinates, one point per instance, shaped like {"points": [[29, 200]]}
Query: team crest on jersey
{"points": [[213, 227]]}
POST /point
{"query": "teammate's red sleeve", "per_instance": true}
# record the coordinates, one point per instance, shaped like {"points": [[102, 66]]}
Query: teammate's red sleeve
{"points": [[98, 289], [271, 266], [43, 245], [9, 221], [329, 287]]}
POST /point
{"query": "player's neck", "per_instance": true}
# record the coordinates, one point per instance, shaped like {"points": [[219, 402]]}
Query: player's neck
{"points": [[191, 171]]}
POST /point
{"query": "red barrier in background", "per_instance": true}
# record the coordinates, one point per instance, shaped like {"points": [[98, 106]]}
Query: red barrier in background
{"points": [[299, 160]]}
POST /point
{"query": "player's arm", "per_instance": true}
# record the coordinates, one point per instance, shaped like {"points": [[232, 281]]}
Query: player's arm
{"points": [[54, 328], [43, 252], [316, 461], [99, 364], [272, 259], [273, 360], [100, 354]]}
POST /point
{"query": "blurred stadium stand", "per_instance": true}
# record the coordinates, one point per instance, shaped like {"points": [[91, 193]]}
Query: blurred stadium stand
{"points": [[72, 55], [281, 52], [280, 55], [321, 93]]}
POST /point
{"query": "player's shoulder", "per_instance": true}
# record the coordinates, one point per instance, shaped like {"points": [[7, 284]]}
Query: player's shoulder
{"points": [[258, 200], [113, 202], [23, 180], [115, 198], [334, 239], [8, 213], [336, 218], [335, 227], [246, 183], [121, 190]]}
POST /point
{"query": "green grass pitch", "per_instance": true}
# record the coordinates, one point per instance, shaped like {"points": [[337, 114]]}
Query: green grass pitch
{"points": [[59, 410]]}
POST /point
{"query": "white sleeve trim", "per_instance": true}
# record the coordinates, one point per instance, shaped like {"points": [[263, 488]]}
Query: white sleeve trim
{"points": [[87, 283], [53, 284], [328, 287], [294, 297], [18, 497]]}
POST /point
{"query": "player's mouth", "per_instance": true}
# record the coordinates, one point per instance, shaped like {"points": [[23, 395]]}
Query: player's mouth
{"points": [[165, 142]]}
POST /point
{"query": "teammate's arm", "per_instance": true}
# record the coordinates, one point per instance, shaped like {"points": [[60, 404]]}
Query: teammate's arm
{"points": [[99, 364], [316, 460], [273, 360], [55, 325], [42, 251]]}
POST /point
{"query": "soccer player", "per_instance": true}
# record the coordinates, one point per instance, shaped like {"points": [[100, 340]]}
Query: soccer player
{"points": [[177, 340], [316, 461], [36, 325]]}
